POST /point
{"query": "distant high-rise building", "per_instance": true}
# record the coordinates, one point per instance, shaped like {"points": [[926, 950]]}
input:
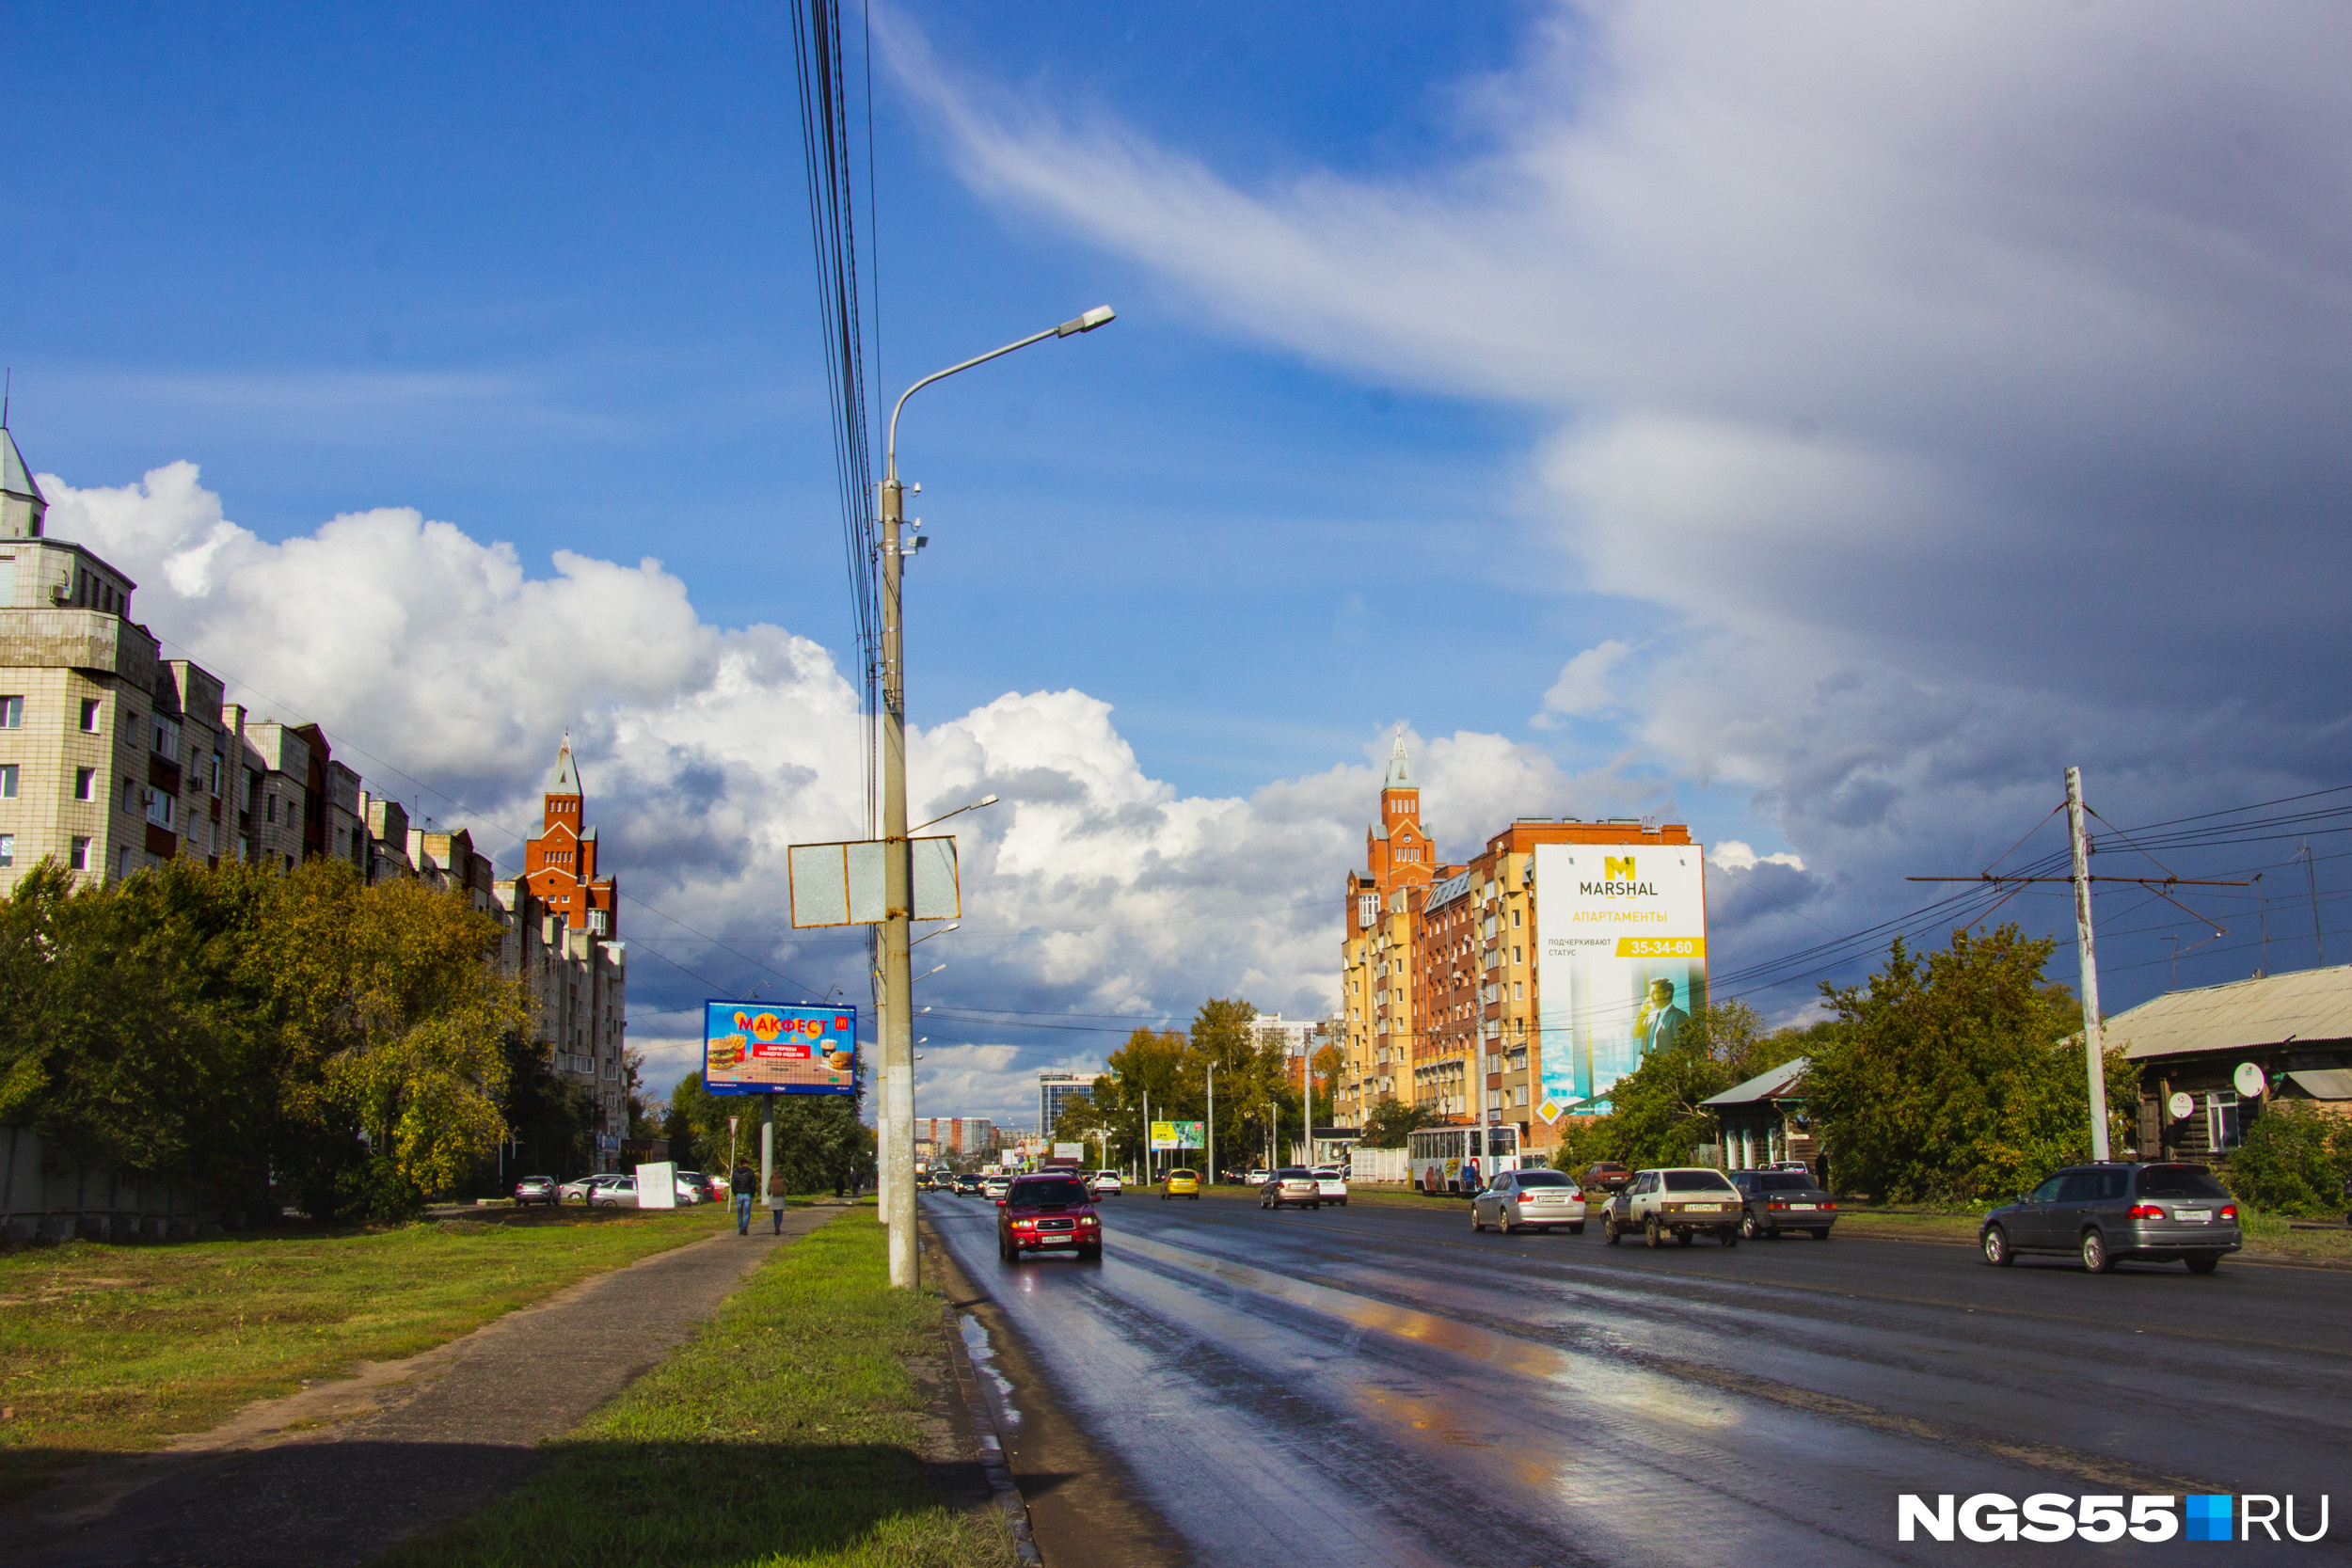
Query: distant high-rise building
{"points": [[1055, 1091]]}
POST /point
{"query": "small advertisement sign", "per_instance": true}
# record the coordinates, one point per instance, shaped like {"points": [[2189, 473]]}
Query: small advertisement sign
{"points": [[759, 1048], [1166, 1135], [1070, 1151]]}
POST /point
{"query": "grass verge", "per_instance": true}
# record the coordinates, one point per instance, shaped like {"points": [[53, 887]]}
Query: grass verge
{"points": [[784, 1432], [110, 1348]]}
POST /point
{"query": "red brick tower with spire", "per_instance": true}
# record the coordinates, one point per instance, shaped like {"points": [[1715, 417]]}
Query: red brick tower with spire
{"points": [[559, 865]]}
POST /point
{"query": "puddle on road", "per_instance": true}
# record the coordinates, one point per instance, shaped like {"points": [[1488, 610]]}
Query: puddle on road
{"points": [[984, 1358]]}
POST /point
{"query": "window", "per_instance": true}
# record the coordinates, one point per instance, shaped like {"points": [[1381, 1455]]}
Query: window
{"points": [[122, 860], [600, 922], [1515, 917], [11, 713], [159, 808], [7, 849], [167, 738], [130, 796], [7, 780], [90, 715], [2221, 1121], [271, 812], [79, 859], [2179, 1181], [217, 772], [86, 784]]}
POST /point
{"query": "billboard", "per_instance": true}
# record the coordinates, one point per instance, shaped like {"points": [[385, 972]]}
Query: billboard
{"points": [[1622, 963], [1070, 1151], [841, 884], [1167, 1136], [759, 1048]]}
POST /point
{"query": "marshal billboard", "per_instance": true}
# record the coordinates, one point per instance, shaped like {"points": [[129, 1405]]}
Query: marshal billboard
{"points": [[1621, 966]]}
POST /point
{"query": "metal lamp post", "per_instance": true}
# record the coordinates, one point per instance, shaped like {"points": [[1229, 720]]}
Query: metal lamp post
{"points": [[898, 856]]}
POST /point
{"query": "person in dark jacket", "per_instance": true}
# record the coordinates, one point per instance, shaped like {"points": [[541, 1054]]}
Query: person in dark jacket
{"points": [[742, 1184]]}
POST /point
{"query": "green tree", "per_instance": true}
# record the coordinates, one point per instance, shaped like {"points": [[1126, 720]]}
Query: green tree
{"points": [[1952, 1080], [1391, 1121], [1659, 1113]]}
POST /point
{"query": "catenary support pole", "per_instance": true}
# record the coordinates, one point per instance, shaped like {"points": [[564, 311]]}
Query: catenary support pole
{"points": [[1211, 1150], [897, 999], [767, 1143], [2094, 1053]]}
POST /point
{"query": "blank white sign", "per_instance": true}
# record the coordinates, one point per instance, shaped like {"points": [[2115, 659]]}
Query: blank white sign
{"points": [[841, 884]]}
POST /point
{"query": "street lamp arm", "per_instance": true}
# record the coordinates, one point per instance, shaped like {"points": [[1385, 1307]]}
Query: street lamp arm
{"points": [[1099, 316]]}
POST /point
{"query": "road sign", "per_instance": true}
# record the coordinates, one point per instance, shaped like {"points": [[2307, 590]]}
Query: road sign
{"points": [[841, 884]]}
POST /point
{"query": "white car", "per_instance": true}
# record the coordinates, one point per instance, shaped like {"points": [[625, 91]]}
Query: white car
{"points": [[994, 1188], [1530, 1200], [1257, 1176], [1331, 1184], [584, 1188], [614, 1191], [1679, 1202], [1108, 1181]]}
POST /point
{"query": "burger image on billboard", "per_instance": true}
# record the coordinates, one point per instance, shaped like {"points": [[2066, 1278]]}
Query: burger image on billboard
{"points": [[762, 1048]]}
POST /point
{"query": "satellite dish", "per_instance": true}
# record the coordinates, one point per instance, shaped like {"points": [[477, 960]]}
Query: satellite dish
{"points": [[2248, 1079], [2181, 1105]]}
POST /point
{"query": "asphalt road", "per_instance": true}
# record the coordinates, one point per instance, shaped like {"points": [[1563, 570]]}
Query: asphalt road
{"points": [[1377, 1386]]}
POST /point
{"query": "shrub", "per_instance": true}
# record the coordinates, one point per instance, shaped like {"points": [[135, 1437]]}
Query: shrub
{"points": [[2295, 1161]]}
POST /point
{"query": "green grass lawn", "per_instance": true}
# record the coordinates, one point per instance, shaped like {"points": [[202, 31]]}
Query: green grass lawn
{"points": [[784, 1432], [108, 1348]]}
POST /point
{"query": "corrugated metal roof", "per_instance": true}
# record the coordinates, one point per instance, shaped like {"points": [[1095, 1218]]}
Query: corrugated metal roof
{"points": [[2308, 1005], [1764, 1086], [1446, 892], [2323, 1083]]}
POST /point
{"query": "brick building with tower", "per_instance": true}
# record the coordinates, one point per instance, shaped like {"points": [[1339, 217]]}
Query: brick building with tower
{"points": [[559, 865]]}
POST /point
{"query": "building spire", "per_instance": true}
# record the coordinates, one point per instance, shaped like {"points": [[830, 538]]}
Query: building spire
{"points": [[1400, 768], [565, 778]]}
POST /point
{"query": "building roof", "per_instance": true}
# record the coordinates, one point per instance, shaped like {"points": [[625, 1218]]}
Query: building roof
{"points": [[1378, 830], [15, 478], [565, 778], [2269, 1009], [1764, 1086], [1446, 892], [1400, 768]]}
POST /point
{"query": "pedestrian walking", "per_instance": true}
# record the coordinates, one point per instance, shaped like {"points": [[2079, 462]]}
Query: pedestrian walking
{"points": [[742, 1181], [857, 1184], [775, 1197]]}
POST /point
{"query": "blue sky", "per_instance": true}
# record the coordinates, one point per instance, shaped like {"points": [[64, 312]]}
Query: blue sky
{"points": [[1868, 409]]}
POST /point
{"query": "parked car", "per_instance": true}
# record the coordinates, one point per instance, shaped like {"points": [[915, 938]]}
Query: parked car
{"points": [[614, 1191], [968, 1182], [538, 1189], [1256, 1176], [1181, 1183], [1777, 1200], [1681, 1202], [1606, 1177], [1533, 1199], [697, 1184], [994, 1188], [1292, 1184], [582, 1187], [1048, 1211], [2152, 1213], [1107, 1183], [1331, 1184]]}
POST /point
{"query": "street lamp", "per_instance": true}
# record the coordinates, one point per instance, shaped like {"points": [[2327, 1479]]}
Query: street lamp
{"points": [[897, 856]]}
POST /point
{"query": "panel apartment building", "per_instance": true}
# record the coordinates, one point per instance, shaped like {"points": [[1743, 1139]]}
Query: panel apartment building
{"points": [[114, 759], [1441, 1005]]}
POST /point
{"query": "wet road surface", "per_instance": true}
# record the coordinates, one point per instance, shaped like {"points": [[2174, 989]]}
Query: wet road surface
{"points": [[1377, 1385]]}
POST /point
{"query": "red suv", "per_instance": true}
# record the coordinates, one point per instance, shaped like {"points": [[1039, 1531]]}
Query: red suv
{"points": [[1049, 1211]]}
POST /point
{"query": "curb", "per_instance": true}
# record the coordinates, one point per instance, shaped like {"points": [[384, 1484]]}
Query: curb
{"points": [[982, 1400]]}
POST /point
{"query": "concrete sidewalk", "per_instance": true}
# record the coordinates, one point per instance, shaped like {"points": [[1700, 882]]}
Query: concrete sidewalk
{"points": [[412, 1443]]}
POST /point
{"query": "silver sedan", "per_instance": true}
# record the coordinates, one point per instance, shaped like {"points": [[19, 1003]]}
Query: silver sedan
{"points": [[1530, 1200]]}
